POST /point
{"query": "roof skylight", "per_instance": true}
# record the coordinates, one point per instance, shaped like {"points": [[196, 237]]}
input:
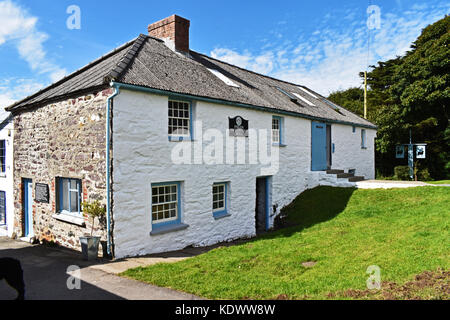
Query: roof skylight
{"points": [[310, 93], [309, 103], [224, 78], [290, 96]]}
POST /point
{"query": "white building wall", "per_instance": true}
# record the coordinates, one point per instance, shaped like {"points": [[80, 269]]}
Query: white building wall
{"points": [[142, 156], [6, 179], [348, 152]]}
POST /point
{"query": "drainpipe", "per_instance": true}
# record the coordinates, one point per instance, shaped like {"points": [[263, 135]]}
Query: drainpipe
{"points": [[108, 166]]}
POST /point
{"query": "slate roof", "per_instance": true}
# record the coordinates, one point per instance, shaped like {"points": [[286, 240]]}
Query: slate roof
{"points": [[148, 62]]}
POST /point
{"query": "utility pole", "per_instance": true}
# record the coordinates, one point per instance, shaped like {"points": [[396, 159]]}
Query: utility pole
{"points": [[365, 94]]}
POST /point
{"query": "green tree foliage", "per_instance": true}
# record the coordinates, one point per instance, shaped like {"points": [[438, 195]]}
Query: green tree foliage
{"points": [[410, 92]]}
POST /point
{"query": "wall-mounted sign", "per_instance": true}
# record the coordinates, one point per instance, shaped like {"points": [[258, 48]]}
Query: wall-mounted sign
{"points": [[400, 152], [420, 152], [238, 127], [41, 193]]}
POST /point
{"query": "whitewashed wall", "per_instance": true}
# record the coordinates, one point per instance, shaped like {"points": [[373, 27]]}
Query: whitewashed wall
{"points": [[6, 179], [142, 156], [348, 152]]}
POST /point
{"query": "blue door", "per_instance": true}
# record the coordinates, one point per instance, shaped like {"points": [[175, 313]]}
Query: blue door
{"points": [[28, 207], [319, 146]]}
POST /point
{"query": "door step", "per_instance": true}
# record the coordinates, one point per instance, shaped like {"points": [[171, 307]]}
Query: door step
{"points": [[345, 175], [333, 171], [356, 179]]}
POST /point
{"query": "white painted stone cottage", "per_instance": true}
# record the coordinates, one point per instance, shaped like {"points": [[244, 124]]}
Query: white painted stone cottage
{"points": [[183, 149], [6, 174]]}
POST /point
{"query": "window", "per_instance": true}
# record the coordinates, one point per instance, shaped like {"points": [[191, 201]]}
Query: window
{"points": [[2, 156], [219, 201], [363, 139], [2, 208], [309, 103], [179, 119], [353, 129], [69, 195], [165, 203], [224, 78], [277, 131]]}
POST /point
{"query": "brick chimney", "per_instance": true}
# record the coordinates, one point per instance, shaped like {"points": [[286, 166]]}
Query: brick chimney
{"points": [[174, 30]]}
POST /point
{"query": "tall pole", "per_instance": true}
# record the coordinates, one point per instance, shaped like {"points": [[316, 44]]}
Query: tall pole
{"points": [[365, 94]]}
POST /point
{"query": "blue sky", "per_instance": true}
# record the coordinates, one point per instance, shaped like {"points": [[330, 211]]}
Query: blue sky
{"points": [[321, 44]]}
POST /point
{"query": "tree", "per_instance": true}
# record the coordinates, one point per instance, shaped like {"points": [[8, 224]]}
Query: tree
{"points": [[410, 92]]}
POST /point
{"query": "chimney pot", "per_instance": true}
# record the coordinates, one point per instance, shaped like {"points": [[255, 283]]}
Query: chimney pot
{"points": [[173, 30]]}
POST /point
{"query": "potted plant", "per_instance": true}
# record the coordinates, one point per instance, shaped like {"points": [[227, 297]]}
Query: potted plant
{"points": [[89, 243]]}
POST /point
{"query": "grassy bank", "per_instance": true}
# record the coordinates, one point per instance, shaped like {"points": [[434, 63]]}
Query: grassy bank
{"points": [[338, 234]]}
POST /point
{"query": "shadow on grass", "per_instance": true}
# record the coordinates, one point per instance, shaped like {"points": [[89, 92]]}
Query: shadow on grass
{"points": [[310, 208]]}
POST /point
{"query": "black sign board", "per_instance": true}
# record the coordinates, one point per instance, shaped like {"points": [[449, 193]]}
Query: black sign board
{"points": [[238, 127], [41, 193]]}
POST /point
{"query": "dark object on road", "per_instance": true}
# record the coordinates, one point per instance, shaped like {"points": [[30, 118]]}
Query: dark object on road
{"points": [[11, 271]]}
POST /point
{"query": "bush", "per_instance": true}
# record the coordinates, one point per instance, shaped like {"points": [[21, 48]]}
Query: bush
{"points": [[424, 175], [401, 173]]}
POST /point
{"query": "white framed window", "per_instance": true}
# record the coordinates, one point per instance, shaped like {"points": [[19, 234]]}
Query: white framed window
{"points": [[276, 130], [2, 208], [179, 119], [2, 156], [165, 203], [219, 192], [69, 198], [363, 139]]}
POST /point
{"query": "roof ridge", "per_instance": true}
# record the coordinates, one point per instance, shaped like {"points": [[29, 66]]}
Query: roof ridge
{"points": [[73, 74], [127, 59]]}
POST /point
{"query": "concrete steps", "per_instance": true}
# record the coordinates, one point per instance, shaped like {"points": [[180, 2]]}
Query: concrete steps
{"points": [[341, 174]]}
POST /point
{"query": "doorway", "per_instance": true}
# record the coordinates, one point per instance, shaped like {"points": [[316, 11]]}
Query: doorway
{"points": [[321, 146], [262, 204], [27, 205]]}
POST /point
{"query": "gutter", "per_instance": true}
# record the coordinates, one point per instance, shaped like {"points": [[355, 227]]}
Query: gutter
{"points": [[236, 104], [108, 166]]}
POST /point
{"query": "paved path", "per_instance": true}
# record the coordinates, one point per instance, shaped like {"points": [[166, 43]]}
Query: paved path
{"points": [[45, 275], [388, 184]]}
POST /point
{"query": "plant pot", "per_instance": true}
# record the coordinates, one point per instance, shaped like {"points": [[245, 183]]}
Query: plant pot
{"points": [[89, 247]]}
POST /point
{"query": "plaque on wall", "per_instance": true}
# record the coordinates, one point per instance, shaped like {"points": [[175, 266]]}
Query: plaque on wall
{"points": [[238, 127], [41, 193]]}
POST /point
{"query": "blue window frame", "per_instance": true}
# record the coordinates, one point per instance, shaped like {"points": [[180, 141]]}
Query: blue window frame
{"points": [[166, 204], [2, 208], [180, 120], [2, 156], [220, 199], [363, 139], [69, 196], [353, 129]]}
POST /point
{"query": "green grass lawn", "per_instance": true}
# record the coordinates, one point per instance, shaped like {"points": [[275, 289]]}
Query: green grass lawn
{"points": [[403, 231], [440, 182]]}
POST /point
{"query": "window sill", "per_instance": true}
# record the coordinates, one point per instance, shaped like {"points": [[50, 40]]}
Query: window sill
{"points": [[2, 175], [180, 139], [79, 221], [168, 228], [281, 145], [364, 148], [218, 216]]}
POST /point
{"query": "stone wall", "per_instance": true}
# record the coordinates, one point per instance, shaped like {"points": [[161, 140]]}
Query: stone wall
{"points": [[65, 139]]}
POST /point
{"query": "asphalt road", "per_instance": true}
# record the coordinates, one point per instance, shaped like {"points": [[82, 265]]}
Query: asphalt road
{"points": [[46, 277]]}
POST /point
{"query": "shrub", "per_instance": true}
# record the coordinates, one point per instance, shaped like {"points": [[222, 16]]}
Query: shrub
{"points": [[401, 173]]}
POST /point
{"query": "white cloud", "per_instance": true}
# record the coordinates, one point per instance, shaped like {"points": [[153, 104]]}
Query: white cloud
{"points": [[13, 89], [19, 27], [331, 58]]}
